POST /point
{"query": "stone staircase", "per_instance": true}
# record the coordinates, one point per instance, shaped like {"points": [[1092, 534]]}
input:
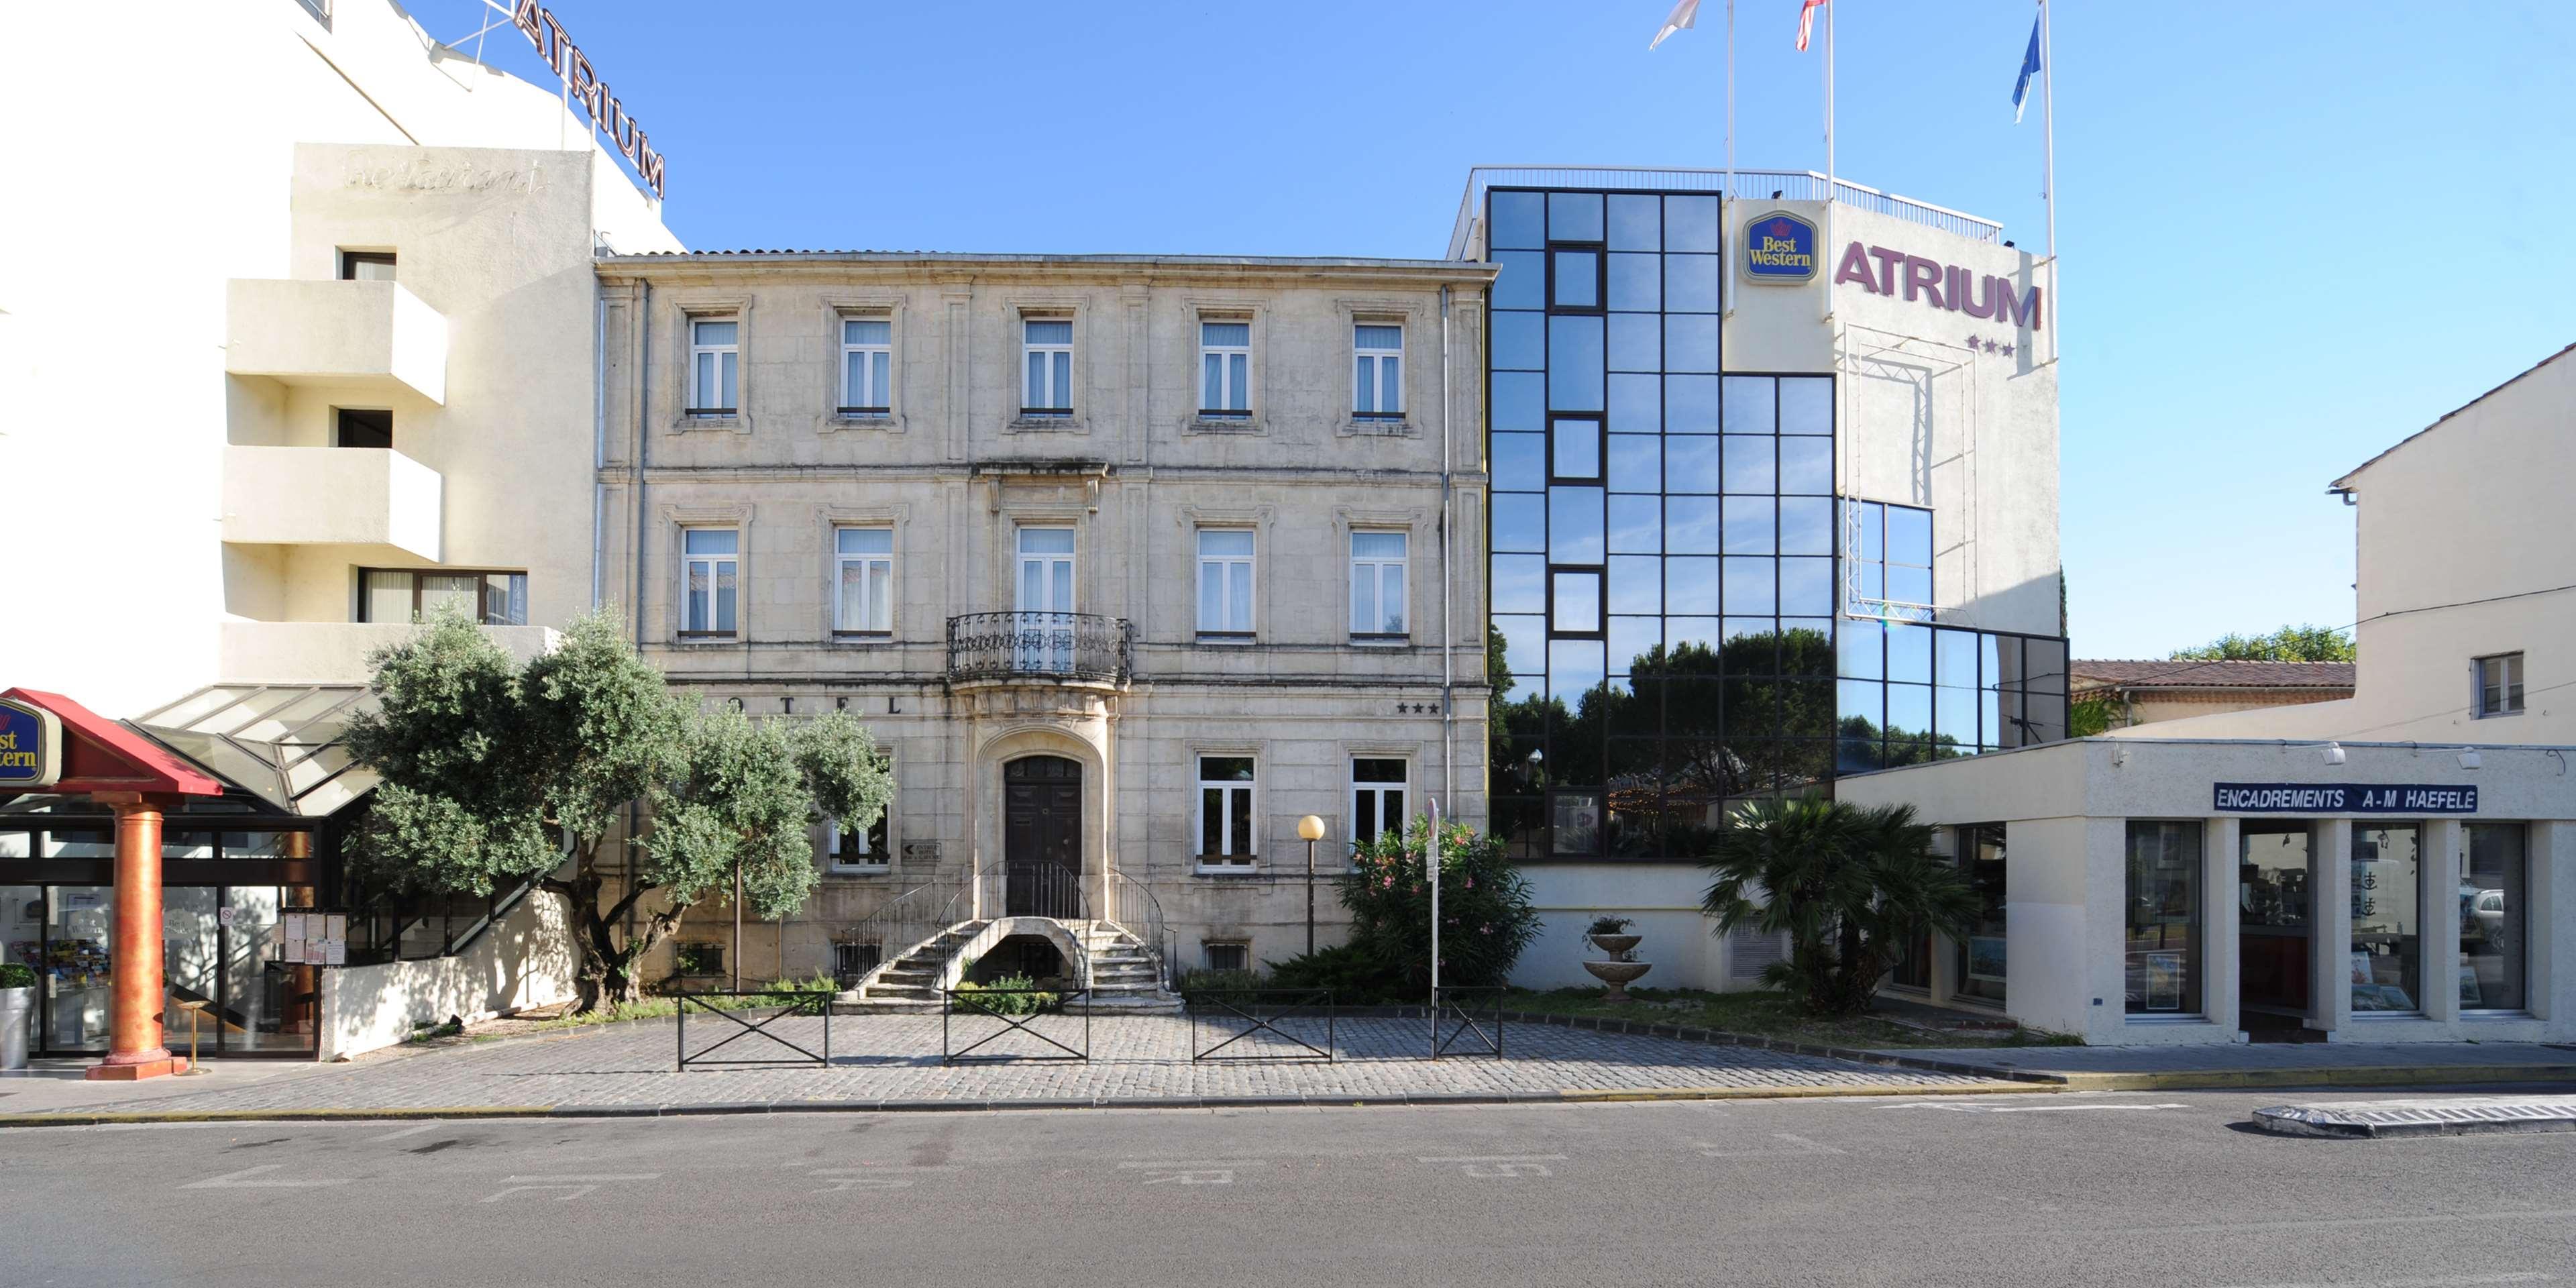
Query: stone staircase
{"points": [[1126, 973]]}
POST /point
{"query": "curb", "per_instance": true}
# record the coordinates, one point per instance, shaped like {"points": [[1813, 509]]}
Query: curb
{"points": [[2331, 1122], [979, 1105], [2405, 1075]]}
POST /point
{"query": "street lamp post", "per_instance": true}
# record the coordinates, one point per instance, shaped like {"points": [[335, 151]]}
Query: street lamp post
{"points": [[1311, 828]]}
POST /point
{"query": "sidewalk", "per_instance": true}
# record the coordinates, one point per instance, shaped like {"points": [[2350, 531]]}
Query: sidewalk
{"points": [[2286, 1064], [887, 1062]]}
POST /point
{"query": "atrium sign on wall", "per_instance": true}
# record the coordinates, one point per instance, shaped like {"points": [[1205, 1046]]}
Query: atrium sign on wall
{"points": [[554, 44], [1943, 286]]}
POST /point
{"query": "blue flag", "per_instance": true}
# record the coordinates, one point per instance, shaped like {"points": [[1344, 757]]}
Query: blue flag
{"points": [[2029, 68]]}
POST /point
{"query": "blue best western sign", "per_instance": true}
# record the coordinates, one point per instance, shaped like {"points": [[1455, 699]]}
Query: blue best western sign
{"points": [[1780, 249], [2342, 798], [31, 747]]}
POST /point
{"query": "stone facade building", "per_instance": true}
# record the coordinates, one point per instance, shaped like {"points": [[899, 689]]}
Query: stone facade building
{"points": [[1129, 562]]}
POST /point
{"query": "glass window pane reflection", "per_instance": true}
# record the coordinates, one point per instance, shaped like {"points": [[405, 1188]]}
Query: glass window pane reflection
{"points": [[1751, 523], [1636, 283], [1636, 404], [1636, 584], [1574, 525], [1516, 219], [1690, 404], [1520, 400], [1520, 584], [1636, 223], [1520, 462], [1574, 363], [1637, 344], [1806, 525], [1636, 463], [1636, 525], [1750, 587], [1520, 522], [1574, 216], [1522, 282]]}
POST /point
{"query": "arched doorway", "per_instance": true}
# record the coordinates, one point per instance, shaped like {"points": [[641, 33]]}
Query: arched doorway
{"points": [[1042, 837]]}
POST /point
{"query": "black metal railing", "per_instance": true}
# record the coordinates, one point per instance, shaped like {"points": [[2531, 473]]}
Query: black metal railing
{"points": [[1135, 910], [898, 925], [1029, 888], [1055, 646], [753, 1013], [1019, 1010], [1458, 1010], [1240, 1014]]}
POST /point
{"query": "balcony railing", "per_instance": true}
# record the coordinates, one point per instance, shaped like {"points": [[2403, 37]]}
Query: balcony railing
{"points": [[1038, 645]]}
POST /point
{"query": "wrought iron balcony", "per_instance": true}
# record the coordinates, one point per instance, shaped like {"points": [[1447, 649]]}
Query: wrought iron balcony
{"points": [[1039, 646]]}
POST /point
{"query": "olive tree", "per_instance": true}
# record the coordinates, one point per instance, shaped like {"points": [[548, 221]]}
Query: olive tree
{"points": [[495, 773]]}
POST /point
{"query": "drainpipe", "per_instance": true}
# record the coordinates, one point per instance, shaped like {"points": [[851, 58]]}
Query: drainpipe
{"points": [[643, 444], [1448, 775], [598, 438]]}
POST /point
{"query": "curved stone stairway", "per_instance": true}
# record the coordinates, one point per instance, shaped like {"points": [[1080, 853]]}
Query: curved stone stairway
{"points": [[1126, 974]]}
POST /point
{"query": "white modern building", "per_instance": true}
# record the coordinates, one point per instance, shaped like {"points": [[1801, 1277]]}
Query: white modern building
{"points": [[2395, 866]]}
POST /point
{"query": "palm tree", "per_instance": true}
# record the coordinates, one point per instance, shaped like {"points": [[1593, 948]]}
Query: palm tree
{"points": [[1850, 886]]}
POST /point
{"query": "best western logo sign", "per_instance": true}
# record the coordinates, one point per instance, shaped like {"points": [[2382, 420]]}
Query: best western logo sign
{"points": [[1779, 249], [31, 747]]}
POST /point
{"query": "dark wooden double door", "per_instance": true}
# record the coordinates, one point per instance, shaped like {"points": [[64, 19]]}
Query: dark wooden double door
{"points": [[1042, 837]]}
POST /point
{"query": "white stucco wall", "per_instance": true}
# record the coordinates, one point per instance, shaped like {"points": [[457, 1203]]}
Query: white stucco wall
{"points": [[525, 961]]}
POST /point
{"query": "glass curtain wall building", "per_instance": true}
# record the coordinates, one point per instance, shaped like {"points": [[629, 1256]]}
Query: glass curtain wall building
{"points": [[1683, 613]]}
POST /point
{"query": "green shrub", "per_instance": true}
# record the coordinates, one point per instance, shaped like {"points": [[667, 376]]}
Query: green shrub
{"points": [[1009, 995], [1234, 986], [821, 982], [1485, 913], [17, 975], [1355, 976]]}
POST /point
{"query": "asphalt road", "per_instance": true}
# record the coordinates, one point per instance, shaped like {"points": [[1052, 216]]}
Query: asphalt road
{"points": [[2164, 1189]]}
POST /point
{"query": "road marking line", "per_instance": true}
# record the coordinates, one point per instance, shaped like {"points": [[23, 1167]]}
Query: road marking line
{"points": [[1802, 1145], [1493, 1167], [579, 1184], [237, 1181], [2014, 1109], [1201, 1172], [407, 1131], [2446, 1281], [1492, 1158]]}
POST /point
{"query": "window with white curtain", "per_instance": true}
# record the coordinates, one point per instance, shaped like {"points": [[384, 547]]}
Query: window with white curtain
{"points": [[867, 366], [1377, 583], [709, 580], [1048, 344], [715, 356], [1377, 797], [1225, 368], [1227, 837], [1225, 581], [1377, 374], [864, 591]]}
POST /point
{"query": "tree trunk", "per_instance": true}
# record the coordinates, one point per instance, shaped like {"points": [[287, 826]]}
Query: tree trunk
{"points": [[606, 975]]}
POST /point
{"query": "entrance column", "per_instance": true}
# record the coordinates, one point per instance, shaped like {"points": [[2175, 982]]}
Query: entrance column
{"points": [[135, 976], [2330, 898], [2222, 977]]}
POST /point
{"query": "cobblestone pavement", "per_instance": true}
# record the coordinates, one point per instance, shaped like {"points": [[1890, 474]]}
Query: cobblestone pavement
{"points": [[1133, 1058]]}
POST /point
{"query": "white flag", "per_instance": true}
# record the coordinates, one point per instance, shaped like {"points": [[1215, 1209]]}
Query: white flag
{"points": [[1684, 15]]}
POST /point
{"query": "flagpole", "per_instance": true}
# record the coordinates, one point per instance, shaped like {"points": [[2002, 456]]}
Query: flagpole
{"points": [[2048, 168], [1825, 252], [1726, 195]]}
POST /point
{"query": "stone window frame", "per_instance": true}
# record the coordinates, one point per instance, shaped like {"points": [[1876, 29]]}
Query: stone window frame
{"points": [[888, 308], [1411, 752], [1015, 515], [677, 520], [1260, 519], [1259, 750], [685, 309], [1046, 307], [1412, 523], [1254, 310], [1407, 312], [830, 519]]}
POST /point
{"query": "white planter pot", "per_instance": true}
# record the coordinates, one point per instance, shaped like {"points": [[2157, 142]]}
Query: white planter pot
{"points": [[17, 1013]]}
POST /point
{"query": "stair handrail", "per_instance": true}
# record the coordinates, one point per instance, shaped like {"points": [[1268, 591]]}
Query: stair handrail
{"points": [[1058, 888], [1155, 932], [885, 927]]}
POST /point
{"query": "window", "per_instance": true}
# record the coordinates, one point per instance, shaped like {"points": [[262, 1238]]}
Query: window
{"points": [[863, 595], [851, 961], [1377, 377], [408, 595], [715, 356], [1890, 547], [1979, 975], [869, 851], [1225, 366], [1377, 584], [709, 577], [1377, 797], [2387, 934], [1048, 343], [2164, 919], [867, 366], [362, 427], [1225, 582], [1217, 956], [2493, 954], [366, 266], [2500, 685], [697, 959], [1226, 836]]}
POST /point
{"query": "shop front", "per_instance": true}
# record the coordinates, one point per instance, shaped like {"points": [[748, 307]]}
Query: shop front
{"points": [[2141, 891]]}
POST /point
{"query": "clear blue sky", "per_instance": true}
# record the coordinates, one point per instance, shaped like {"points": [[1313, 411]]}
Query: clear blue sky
{"points": [[2294, 232]]}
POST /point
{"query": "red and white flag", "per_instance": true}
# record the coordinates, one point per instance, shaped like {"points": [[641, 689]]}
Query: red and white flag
{"points": [[1807, 21]]}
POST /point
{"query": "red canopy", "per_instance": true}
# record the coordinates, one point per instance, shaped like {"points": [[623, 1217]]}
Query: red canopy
{"points": [[100, 755]]}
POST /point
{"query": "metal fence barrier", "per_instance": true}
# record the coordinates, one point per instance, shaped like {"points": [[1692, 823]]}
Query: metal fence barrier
{"points": [[1018, 1009], [794, 1003], [1261, 1010], [1462, 1004]]}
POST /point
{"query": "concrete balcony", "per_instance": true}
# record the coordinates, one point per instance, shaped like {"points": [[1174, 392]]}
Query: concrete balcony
{"points": [[336, 652], [367, 337], [332, 496]]}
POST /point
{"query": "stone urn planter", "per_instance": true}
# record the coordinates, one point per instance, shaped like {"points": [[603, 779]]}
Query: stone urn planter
{"points": [[17, 1011], [1620, 966]]}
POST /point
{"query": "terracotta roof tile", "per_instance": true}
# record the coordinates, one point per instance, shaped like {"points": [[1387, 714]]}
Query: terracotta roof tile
{"points": [[2169, 674]]}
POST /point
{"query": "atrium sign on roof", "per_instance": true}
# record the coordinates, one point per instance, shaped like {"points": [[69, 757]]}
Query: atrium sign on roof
{"points": [[583, 85]]}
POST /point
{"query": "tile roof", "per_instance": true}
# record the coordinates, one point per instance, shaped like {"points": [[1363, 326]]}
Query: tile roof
{"points": [[2169, 674]]}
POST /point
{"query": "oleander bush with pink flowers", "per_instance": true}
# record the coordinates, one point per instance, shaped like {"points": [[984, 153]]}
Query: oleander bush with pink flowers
{"points": [[1485, 913]]}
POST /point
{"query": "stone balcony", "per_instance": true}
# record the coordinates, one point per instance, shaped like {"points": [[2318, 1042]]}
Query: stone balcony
{"points": [[368, 497], [370, 338], [1039, 648]]}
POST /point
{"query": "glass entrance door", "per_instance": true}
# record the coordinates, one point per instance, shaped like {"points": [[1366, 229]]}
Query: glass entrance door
{"points": [[2274, 921], [191, 945], [269, 1003]]}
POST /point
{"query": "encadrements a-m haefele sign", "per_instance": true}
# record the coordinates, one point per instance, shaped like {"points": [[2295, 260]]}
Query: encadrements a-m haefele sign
{"points": [[2342, 798]]}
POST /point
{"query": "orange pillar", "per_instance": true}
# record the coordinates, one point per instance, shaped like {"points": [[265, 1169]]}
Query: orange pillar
{"points": [[135, 974]]}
